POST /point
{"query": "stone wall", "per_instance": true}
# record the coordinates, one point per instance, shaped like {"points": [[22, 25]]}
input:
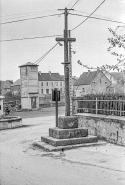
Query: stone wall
{"points": [[10, 122], [111, 128]]}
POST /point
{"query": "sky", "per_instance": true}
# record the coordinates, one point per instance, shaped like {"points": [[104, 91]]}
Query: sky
{"points": [[91, 36]]}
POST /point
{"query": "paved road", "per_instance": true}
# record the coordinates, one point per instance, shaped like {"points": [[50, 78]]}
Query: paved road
{"points": [[21, 164], [50, 111]]}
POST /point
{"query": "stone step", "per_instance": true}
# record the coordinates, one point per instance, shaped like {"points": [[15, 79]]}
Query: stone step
{"points": [[68, 133], [49, 148], [71, 141]]}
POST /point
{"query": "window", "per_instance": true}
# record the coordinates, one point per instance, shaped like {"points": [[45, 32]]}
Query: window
{"points": [[52, 83], [46, 83], [60, 83], [41, 91], [47, 91], [83, 90], [100, 81], [41, 83], [56, 83]]}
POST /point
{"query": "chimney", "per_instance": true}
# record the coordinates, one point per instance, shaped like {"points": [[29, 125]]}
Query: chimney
{"points": [[49, 72]]}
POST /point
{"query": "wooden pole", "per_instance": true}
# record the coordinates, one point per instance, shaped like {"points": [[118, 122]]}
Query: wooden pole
{"points": [[66, 67]]}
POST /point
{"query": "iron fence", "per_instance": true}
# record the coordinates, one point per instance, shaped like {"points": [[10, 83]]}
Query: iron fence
{"points": [[98, 106]]}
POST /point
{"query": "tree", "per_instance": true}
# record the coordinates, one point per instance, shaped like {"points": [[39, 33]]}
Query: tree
{"points": [[117, 48], [117, 45]]}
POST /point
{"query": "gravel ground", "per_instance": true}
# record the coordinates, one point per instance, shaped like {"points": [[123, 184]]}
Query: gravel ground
{"points": [[22, 164]]}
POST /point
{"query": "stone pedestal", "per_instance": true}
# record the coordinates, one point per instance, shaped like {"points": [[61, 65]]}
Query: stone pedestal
{"points": [[67, 134]]}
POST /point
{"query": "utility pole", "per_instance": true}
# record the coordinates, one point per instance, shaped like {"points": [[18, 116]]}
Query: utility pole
{"points": [[66, 61]]}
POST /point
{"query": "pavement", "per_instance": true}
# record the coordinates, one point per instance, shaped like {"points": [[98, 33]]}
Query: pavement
{"points": [[24, 164]]}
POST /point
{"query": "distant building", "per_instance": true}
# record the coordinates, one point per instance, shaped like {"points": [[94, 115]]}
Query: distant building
{"points": [[99, 82], [29, 86], [49, 81], [5, 86], [119, 85], [16, 87]]}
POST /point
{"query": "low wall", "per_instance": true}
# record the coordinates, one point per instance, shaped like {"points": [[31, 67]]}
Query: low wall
{"points": [[111, 128], [11, 122]]}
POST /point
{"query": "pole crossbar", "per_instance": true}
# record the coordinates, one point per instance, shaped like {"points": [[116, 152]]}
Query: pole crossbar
{"points": [[66, 39]]}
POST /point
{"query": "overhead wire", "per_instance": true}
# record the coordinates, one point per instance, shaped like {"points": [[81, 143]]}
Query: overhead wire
{"points": [[30, 38], [41, 58], [106, 17], [88, 16], [71, 3], [75, 3], [97, 18], [28, 15], [21, 20]]}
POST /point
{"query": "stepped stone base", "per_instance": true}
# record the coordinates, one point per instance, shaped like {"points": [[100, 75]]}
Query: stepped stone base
{"points": [[71, 141], [66, 136], [67, 133], [50, 148]]}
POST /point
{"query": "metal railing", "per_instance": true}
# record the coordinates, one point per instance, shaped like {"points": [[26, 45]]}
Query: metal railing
{"points": [[97, 106]]}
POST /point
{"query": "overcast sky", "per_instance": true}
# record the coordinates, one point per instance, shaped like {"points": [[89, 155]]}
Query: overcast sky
{"points": [[91, 37]]}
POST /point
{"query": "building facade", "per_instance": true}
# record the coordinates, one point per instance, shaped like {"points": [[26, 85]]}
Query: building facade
{"points": [[99, 82], [49, 81], [29, 86]]}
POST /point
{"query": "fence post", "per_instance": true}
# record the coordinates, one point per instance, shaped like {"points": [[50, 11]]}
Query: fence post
{"points": [[96, 106], [76, 105], [120, 107]]}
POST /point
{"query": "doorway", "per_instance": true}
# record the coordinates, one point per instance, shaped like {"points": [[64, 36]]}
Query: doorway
{"points": [[33, 102]]}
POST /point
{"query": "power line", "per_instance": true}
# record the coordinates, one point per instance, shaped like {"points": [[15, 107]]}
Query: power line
{"points": [[21, 20], [38, 60], [93, 14], [41, 58], [88, 16], [70, 3], [98, 18], [28, 14], [74, 4], [29, 38]]}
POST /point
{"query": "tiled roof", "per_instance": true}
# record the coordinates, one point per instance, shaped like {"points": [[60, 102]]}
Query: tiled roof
{"points": [[5, 84], [86, 78], [17, 82], [117, 75], [28, 64], [50, 77]]}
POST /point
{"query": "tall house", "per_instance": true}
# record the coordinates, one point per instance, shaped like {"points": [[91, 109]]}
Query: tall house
{"points": [[29, 86]]}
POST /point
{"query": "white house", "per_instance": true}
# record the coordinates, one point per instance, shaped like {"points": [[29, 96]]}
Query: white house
{"points": [[49, 81]]}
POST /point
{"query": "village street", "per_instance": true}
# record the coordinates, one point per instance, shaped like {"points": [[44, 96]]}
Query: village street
{"points": [[21, 164]]}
